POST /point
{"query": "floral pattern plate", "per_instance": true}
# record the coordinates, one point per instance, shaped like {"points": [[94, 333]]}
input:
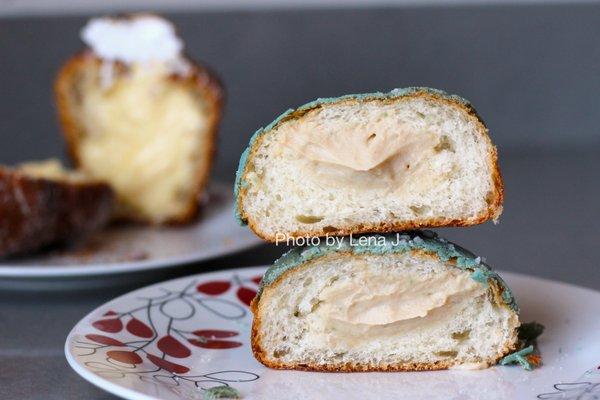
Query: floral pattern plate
{"points": [[177, 339]]}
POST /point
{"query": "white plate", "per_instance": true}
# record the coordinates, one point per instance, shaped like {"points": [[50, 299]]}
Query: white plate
{"points": [[570, 348], [136, 248]]}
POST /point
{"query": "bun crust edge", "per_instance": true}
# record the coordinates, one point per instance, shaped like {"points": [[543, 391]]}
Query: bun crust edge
{"points": [[428, 244], [200, 79], [495, 201]]}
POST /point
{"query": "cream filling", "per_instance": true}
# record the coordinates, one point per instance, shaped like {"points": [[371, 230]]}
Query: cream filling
{"points": [[375, 306], [359, 149], [382, 155], [143, 136]]}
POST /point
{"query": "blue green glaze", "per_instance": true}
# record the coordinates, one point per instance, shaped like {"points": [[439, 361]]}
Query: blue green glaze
{"points": [[519, 357], [427, 241], [221, 392], [291, 113]]}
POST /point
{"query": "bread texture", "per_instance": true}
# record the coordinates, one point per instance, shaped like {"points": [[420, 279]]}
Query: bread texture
{"points": [[379, 162], [149, 132], [405, 302], [42, 204]]}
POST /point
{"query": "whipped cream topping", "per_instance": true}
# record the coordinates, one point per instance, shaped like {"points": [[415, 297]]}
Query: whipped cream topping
{"points": [[136, 39]]}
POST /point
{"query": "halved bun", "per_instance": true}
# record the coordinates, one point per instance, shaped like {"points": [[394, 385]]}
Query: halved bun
{"points": [[391, 304], [410, 158], [42, 204], [147, 130]]}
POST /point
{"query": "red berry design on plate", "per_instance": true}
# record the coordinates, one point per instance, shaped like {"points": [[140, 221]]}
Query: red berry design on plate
{"points": [[112, 325], [215, 344], [126, 357], [214, 333], [257, 279], [246, 295], [172, 347], [167, 365], [109, 313], [104, 340], [214, 288], [138, 328]]}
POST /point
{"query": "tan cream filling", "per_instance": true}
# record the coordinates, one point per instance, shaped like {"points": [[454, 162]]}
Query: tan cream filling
{"points": [[142, 135], [382, 155], [373, 306]]}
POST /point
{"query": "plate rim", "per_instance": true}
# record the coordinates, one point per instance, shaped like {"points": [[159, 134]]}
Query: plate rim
{"points": [[121, 391], [8, 270]]}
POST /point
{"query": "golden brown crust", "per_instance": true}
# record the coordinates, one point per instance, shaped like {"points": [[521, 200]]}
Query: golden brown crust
{"points": [[494, 200], [200, 79], [37, 212], [261, 355]]}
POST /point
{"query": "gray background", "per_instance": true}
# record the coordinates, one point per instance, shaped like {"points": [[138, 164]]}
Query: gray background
{"points": [[533, 73]]}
